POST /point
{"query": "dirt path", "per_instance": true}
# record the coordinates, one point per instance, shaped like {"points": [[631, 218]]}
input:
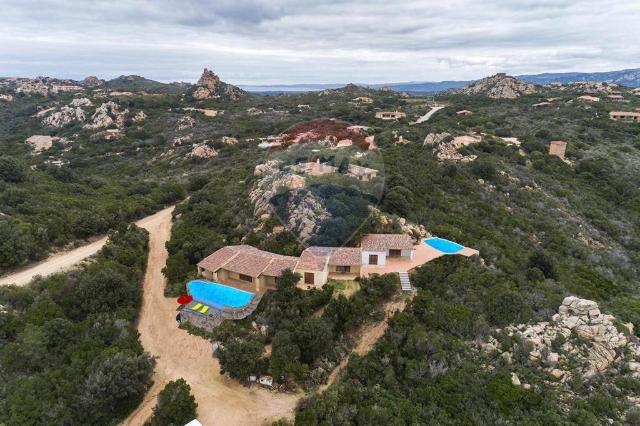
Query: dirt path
{"points": [[178, 354], [66, 260], [368, 337], [428, 115]]}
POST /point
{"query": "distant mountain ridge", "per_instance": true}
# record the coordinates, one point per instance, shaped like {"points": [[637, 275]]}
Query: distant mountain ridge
{"points": [[628, 77]]}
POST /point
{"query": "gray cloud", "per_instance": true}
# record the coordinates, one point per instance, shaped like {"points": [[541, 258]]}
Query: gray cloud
{"points": [[250, 41]]}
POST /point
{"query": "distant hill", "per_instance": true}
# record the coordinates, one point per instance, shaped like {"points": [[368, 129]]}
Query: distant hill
{"points": [[135, 83], [630, 78], [499, 86]]}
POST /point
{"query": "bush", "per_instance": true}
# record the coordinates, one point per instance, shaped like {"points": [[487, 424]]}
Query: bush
{"points": [[176, 406]]}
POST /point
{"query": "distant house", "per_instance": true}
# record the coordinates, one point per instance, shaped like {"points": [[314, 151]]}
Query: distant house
{"points": [[625, 116], [588, 98], [361, 173], [314, 168], [558, 148], [57, 88], [464, 112], [616, 98], [390, 115], [245, 266], [304, 106], [363, 100]]}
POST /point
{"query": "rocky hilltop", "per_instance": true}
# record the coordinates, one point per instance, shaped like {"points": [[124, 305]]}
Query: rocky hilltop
{"points": [[499, 86], [210, 86]]}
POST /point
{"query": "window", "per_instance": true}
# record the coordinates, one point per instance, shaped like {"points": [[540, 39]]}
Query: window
{"points": [[395, 253], [247, 278], [308, 278], [373, 259], [343, 269]]}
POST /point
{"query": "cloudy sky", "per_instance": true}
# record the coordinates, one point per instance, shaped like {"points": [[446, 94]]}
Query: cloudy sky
{"points": [[316, 41]]}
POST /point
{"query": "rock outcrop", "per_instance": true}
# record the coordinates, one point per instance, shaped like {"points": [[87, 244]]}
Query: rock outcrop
{"points": [[106, 115], [6, 98], [33, 87], [578, 339], [305, 213], [202, 150], [81, 102], [390, 223], [139, 117], [210, 86], [499, 86], [186, 122], [229, 140], [65, 116], [92, 81], [447, 148]]}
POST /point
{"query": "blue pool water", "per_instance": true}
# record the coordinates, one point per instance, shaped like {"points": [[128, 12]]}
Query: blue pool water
{"points": [[445, 246], [218, 295]]}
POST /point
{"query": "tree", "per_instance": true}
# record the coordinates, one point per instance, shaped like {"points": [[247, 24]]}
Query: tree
{"points": [[241, 357], [544, 263], [284, 362], [176, 406], [115, 385], [11, 170]]}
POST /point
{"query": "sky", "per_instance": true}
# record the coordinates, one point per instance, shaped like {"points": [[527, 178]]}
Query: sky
{"points": [[316, 41]]}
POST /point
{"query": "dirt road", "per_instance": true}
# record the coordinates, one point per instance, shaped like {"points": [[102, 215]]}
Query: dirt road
{"points": [[178, 354], [428, 115], [66, 260]]}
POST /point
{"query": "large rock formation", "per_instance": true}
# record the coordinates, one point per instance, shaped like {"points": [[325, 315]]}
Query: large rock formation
{"points": [[447, 148], [305, 213], [106, 115], [92, 81], [579, 339], [81, 102], [65, 116], [202, 150], [31, 87], [210, 86], [499, 86]]}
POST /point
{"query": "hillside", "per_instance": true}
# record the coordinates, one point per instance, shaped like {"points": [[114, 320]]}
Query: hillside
{"points": [[629, 78], [135, 83], [479, 342]]}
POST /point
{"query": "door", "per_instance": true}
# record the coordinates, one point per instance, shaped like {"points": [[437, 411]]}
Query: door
{"points": [[309, 278], [373, 259]]}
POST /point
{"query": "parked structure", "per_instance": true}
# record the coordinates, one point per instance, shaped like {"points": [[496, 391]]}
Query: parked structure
{"points": [[588, 98], [390, 115], [558, 148], [625, 116]]}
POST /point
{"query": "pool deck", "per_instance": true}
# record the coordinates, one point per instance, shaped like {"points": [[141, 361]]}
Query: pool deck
{"points": [[421, 255]]}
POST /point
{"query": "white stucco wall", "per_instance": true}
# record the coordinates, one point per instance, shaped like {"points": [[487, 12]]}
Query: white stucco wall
{"points": [[382, 257]]}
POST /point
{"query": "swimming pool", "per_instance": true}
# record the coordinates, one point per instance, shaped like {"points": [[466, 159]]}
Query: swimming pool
{"points": [[218, 295], [445, 246]]}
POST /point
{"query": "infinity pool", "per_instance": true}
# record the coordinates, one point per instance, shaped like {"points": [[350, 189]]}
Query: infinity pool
{"points": [[445, 246], [218, 295]]}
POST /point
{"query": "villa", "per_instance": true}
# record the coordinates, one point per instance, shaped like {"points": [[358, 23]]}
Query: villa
{"points": [[625, 115], [314, 168], [236, 277], [588, 98], [361, 173], [390, 115], [363, 100]]}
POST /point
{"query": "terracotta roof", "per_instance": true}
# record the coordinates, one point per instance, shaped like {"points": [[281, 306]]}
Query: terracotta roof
{"points": [[346, 256], [279, 264], [383, 242], [214, 261], [248, 260], [314, 258], [247, 263]]}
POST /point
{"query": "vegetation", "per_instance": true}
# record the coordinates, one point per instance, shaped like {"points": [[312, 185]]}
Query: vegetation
{"points": [[301, 340], [69, 353], [176, 406]]}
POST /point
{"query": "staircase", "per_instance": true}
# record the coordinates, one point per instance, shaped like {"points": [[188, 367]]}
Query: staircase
{"points": [[405, 284]]}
